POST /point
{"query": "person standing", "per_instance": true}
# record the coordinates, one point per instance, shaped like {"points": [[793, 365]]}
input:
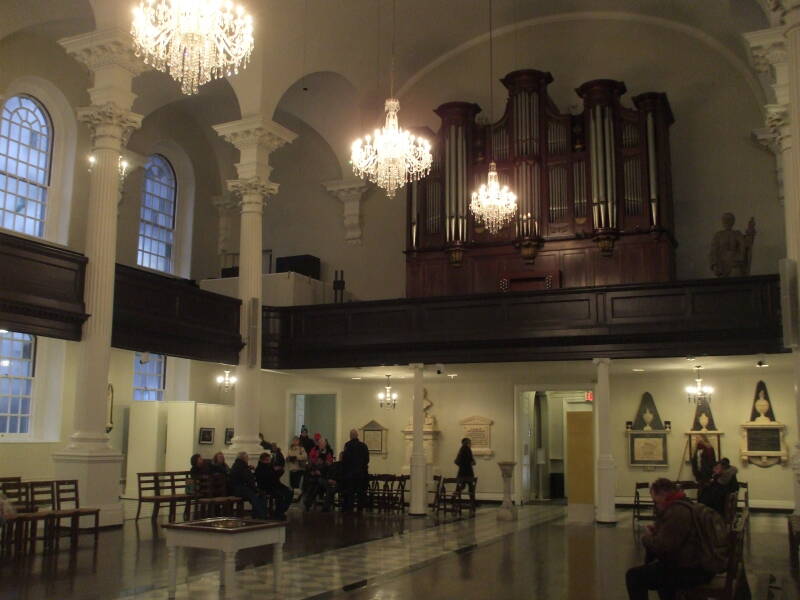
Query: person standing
{"points": [[466, 475], [355, 472], [306, 442], [703, 461], [243, 484], [297, 459]]}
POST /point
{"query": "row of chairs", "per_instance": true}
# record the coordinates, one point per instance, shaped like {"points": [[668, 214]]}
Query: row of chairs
{"points": [[387, 492], [52, 505], [643, 504], [448, 494]]}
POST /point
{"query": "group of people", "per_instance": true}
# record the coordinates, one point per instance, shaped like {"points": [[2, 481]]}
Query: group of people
{"points": [[312, 467], [678, 545]]}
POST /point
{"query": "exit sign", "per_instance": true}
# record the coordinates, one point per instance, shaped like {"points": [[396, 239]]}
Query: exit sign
{"points": [[588, 396]]}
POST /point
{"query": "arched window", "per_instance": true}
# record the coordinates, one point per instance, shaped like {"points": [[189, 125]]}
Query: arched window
{"points": [[26, 138], [157, 221], [17, 357]]}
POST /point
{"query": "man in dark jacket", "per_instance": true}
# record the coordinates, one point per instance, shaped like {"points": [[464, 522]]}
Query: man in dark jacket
{"points": [[243, 484], [673, 541], [306, 442], [268, 478], [355, 465]]}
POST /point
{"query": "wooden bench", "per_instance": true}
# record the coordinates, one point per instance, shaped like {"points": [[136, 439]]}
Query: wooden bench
{"points": [[643, 506], [730, 583], [212, 499], [165, 487]]}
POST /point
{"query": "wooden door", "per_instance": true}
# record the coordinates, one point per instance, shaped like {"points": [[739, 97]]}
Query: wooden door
{"points": [[580, 458]]}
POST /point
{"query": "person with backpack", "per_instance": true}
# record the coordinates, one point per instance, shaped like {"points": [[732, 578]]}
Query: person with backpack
{"points": [[686, 546]]}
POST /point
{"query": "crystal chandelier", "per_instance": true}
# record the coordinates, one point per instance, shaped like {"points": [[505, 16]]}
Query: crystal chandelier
{"points": [[492, 205], [194, 41], [227, 380], [699, 393], [391, 156], [387, 398]]}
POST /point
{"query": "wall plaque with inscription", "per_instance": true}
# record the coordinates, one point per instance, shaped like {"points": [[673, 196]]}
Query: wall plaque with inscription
{"points": [[763, 442], [479, 431]]}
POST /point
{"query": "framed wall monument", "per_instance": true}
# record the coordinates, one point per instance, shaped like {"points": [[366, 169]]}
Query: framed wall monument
{"points": [[206, 435], [703, 426], [763, 442], [374, 435], [647, 436], [479, 431]]}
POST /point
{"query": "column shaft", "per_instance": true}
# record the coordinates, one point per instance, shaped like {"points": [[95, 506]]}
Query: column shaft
{"points": [[418, 466], [606, 467]]}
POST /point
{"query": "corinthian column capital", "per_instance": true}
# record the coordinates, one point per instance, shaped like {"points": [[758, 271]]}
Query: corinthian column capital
{"points": [[101, 49], [109, 124], [252, 193], [255, 138]]}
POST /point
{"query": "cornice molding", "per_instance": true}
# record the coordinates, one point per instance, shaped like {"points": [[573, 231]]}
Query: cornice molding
{"points": [[99, 49]]}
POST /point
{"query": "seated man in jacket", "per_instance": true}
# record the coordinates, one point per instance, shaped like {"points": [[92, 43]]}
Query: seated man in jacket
{"points": [[673, 543], [723, 482], [243, 484], [268, 478]]}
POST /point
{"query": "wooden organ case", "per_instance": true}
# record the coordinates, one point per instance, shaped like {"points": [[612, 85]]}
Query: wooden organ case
{"points": [[593, 190]]}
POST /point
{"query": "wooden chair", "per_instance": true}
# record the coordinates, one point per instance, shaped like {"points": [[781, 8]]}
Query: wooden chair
{"points": [[26, 523], [437, 481], [167, 487], [68, 504], [726, 585], [212, 499], [10, 480], [643, 506], [449, 498]]}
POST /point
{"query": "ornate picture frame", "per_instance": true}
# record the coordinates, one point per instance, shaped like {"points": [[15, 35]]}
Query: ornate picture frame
{"points": [[647, 449], [206, 436], [228, 436], [374, 435]]}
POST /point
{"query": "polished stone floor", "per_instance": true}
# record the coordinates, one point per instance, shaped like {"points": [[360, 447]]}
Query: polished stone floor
{"points": [[380, 557]]}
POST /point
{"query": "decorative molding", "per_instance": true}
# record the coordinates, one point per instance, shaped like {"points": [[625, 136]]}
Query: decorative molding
{"points": [[768, 55], [252, 194], [224, 203], [350, 192], [776, 138], [99, 49], [110, 125], [256, 138]]}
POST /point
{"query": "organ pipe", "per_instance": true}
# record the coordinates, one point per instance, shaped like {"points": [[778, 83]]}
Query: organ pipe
{"points": [[652, 169]]}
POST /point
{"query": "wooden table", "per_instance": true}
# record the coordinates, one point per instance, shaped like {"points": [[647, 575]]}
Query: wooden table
{"points": [[229, 535]]}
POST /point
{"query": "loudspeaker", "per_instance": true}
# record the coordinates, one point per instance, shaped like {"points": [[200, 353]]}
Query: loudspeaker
{"points": [[787, 269]]}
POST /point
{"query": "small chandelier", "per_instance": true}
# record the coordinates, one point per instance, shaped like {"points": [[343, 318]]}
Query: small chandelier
{"points": [[387, 398], [227, 380], [392, 156], [699, 393], [194, 41], [493, 205]]}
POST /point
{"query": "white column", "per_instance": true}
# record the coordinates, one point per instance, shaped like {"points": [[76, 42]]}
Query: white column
{"points": [[605, 471], [88, 456], [419, 488], [350, 193], [256, 138]]}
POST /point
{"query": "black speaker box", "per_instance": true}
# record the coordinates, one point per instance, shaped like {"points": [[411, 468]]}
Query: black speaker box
{"points": [[305, 264]]}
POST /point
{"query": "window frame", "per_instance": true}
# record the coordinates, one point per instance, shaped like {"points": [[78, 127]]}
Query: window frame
{"points": [[173, 231], [31, 413], [160, 391]]}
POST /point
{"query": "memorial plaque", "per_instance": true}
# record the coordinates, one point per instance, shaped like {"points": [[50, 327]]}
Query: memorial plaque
{"points": [[763, 440], [479, 431], [648, 449]]}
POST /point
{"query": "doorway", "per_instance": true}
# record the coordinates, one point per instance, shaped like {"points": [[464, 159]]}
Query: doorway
{"points": [[318, 413]]}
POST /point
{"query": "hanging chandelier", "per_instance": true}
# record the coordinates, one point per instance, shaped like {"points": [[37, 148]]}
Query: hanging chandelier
{"points": [[493, 205], [387, 398], [391, 156], [227, 380], [194, 41], [699, 393]]}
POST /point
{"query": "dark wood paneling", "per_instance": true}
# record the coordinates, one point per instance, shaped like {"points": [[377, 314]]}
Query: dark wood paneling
{"points": [[720, 316], [42, 288], [157, 313]]}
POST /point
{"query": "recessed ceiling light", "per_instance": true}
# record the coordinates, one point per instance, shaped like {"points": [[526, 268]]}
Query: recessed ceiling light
{"points": [[638, 370], [452, 375], [355, 378], [690, 358], [762, 364]]}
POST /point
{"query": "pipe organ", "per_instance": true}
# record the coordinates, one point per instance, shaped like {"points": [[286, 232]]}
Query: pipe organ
{"points": [[593, 191]]}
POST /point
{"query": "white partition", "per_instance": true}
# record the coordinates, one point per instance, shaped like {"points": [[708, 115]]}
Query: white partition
{"points": [[216, 416], [147, 429], [181, 435]]}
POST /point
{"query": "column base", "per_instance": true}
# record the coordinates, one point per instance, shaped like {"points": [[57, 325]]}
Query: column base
{"points": [[98, 473], [507, 513]]}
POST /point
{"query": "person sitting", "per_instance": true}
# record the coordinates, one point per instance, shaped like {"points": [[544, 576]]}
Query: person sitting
{"points": [[297, 460], [319, 459], [334, 481], [199, 467], [673, 546], [268, 481], [278, 461], [723, 482], [218, 464], [243, 484]]}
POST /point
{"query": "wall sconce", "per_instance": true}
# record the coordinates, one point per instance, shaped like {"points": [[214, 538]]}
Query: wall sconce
{"points": [[226, 381]]}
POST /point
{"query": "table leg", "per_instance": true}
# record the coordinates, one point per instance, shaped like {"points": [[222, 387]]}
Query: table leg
{"points": [[229, 568], [277, 559], [172, 566]]}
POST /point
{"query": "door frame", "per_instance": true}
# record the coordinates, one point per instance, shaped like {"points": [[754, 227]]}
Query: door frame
{"points": [[314, 390]]}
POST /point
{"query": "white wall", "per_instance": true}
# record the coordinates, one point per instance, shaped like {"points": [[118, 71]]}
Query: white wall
{"points": [[730, 406]]}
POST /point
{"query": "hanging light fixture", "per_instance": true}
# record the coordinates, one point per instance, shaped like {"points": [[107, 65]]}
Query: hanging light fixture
{"points": [[699, 393], [493, 205], [387, 398], [227, 380], [194, 41], [391, 156]]}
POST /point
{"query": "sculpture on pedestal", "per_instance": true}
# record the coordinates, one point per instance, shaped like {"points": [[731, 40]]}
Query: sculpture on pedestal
{"points": [[732, 250], [430, 436]]}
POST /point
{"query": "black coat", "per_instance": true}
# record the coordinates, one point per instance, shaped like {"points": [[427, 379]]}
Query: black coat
{"points": [[266, 477], [307, 443], [355, 462], [465, 461], [242, 477]]}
